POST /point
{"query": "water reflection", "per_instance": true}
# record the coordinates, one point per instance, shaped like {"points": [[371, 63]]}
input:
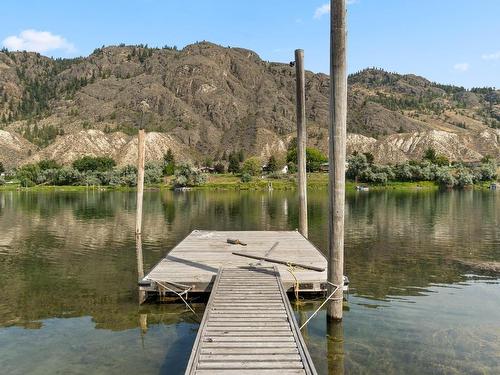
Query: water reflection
{"points": [[71, 256]]}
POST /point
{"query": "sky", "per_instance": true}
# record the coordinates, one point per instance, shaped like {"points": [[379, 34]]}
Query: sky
{"points": [[447, 41]]}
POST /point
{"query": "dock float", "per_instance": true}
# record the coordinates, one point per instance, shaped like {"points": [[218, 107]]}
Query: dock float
{"points": [[249, 327], [193, 264]]}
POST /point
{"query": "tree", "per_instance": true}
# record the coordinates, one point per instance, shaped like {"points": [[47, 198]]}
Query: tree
{"points": [[252, 166], [168, 163], [430, 154], [272, 164], [168, 157], [219, 168], [357, 165], [241, 156], [314, 158], [2, 168], [94, 163], [187, 175], [246, 177], [48, 164], [234, 164], [369, 157]]}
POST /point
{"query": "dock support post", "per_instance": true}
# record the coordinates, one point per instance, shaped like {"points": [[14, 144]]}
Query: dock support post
{"points": [[337, 150], [301, 141], [141, 154]]}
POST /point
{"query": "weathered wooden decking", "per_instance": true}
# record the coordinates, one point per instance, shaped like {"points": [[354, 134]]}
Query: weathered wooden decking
{"points": [[249, 328], [195, 261]]}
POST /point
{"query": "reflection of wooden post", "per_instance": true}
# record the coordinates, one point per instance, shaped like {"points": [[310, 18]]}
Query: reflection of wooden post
{"points": [[301, 140], [337, 150], [143, 322], [140, 265], [335, 347]]}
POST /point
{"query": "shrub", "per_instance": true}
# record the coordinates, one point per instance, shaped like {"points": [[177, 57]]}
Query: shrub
{"points": [[2, 181], [48, 164], [246, 177], [314, 158], [357, 165], [234, 164], [464, 178], [272, 164], [488, 171], [445, 178], [403, 172], [94, 163], [292, 167], [187, 175], [67, 176], [28, 172], [26, 182], [152, 173], [252, 166], [219, 168]]}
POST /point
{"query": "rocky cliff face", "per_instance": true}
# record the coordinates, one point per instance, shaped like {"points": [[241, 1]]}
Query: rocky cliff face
{"points": [[207, 100]]}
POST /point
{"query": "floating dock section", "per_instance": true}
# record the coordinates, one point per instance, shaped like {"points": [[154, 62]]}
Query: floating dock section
{"points": [[194, 263]]}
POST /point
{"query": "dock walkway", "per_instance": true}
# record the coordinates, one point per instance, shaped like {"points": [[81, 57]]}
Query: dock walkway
{"points": [[249, 328]]}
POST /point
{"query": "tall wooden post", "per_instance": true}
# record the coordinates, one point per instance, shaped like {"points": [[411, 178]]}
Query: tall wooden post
{"points": [[141, 154], [301, 141], [337, 150]]}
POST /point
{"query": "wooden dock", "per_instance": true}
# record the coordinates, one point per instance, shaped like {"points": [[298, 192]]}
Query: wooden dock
{"points": [[249, 328], [193, 264]]}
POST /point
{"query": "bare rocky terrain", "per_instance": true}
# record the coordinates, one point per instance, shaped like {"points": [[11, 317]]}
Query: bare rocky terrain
{"points": [[208, 100]]}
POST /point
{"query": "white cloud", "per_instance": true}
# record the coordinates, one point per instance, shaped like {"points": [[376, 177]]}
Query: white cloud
{"points": [[325, 9], [37, 41], [492, 56], [461, 67]]}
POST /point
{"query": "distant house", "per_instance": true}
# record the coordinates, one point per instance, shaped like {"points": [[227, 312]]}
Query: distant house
{"points": [[284, 170], [325, 167], [207, 169]]}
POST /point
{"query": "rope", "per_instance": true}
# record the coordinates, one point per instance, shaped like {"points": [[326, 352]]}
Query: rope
{"points": [[177, 293], [290, 269], [329, 298]]}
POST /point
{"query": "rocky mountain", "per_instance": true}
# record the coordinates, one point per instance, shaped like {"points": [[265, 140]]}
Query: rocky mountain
{"points": [[207, 100]]}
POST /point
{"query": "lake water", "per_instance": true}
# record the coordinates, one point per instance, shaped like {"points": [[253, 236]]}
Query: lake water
{"points": [[69, 299]]}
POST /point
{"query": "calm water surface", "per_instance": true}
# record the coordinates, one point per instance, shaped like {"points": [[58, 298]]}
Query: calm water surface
{"points": [[68, 280]]}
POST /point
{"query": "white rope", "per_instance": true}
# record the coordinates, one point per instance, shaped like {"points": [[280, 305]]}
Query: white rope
{"points": [[178, 294], [325, 301]]}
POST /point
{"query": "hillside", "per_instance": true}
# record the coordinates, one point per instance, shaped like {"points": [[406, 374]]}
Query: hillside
{"points": [[207, 100]]}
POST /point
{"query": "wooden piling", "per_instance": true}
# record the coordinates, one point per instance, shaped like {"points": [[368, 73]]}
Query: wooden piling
{"points": [[141, 154], [337, 150], [301, 141], [140, 179]]}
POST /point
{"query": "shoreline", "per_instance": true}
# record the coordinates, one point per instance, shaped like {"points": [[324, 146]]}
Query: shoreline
{"points": [[226, 182]]}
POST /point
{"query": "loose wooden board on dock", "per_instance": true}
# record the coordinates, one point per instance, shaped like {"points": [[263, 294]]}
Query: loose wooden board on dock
{"points": [[251, 334], [195, 261]]}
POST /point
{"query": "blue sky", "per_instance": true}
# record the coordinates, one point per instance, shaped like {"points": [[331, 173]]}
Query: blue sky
{"points": [[448, 41]]}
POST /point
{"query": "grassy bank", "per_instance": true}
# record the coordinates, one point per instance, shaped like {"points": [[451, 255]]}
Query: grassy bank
{"points": [[232, 182]]}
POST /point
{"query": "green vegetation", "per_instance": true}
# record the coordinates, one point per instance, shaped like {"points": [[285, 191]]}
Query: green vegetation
{"points": [[314, 158], [433, 167], [187, 175], [252, 166], [94, 163], [168, 163], [41, 136]]}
